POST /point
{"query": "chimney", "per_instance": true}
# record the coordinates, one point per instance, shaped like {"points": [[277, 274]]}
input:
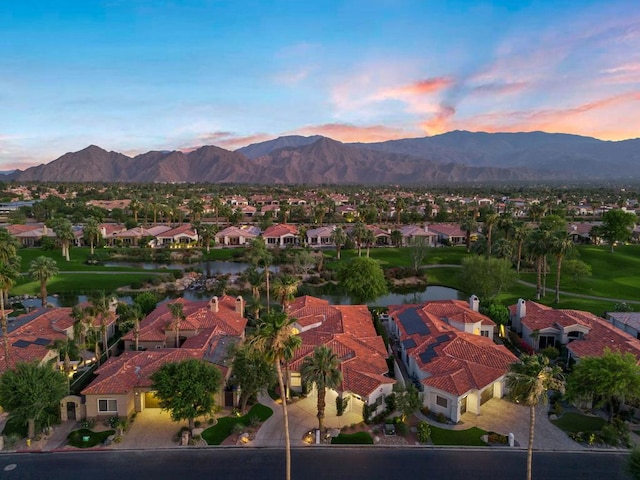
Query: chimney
{"points": [[521, 309], [240, 305], [213, 304], [44, 229], [474, 303], [103, 231]]}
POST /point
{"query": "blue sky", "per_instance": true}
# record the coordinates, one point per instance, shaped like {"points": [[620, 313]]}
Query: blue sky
{"points": [[136, 75]]}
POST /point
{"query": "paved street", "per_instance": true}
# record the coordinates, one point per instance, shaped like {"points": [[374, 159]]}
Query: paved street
{"points": [[313, 463]]}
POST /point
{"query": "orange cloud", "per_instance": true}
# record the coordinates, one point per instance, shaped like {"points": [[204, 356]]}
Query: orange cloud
{"points": [[608, 118], [345, 132], [440, 122], [419, 88]]}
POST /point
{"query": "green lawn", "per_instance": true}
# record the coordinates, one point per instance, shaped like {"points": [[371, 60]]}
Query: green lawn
{"points": [[469, 437], [358, 438], [575, 422], [76, 438], [216, 434], [401, 257]]}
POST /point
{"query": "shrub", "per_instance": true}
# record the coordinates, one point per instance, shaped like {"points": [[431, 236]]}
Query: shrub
{"points": [[341, 405], [254, 421], [441, 417], [550, 352], [366, 413], [425, 410], [197, 423], [424, 432], [238, 428]]}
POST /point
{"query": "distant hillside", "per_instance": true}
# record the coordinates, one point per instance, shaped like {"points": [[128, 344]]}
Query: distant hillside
{"points": [[570, 156], [256, 150], [452, 157]]}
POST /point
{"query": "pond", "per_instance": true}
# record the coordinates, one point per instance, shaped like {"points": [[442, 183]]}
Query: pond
{"points": [[433, 292], [210, 268]]}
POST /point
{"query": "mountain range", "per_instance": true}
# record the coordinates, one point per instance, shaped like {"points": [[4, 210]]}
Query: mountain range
{"points": [[457, 156]]}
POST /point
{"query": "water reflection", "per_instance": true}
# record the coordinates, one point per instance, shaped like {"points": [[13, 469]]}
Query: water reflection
{"points": [[429, 293]]}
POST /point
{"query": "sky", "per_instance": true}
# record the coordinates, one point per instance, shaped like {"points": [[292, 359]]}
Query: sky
{"points": [[139, 75]]}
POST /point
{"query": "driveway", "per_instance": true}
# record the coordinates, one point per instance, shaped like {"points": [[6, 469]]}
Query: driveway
{"points": [[502, 416]]}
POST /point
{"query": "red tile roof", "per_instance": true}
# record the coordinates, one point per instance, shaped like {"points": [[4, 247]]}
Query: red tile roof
{"points": [[348, 330], [454, 361], [280, 230]]}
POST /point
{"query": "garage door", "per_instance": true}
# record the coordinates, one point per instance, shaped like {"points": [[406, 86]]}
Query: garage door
{"points": [[487, 394], [150, 400]]}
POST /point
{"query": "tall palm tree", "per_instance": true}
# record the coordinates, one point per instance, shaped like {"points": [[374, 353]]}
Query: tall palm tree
{"points": [[490, 220], [368, 238], [528, 382], [64, 233], [560, 245], [99, 309], [260, 256], [207, 233], [322, 368], [277, 340], [338, 237], [177, 312], [468, 224], [520, 233], [91, 232], [357, 233], [8, 246], [43, 269], [285, 287], [8, 276], [538, 247]]}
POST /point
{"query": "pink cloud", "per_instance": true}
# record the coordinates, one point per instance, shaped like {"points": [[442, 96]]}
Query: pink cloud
{"points": [[229, 140], [345, 132]]}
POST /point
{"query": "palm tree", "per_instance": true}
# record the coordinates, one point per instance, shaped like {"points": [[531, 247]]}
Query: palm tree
{"points": [[64, 232], [396, 238], [368, 238], [100, 309], [207, 233], [134, 206], [8, 246], [277, 340], [42, 269], [358, 233], [560, 245], [490, 221], [538, 247], [285, 287], [260, 256], [528, 382], [322, 367], [82, 324], [91, 231], [520, 234], [8, 276], [468, 224], [338, 237], [177, 312]]}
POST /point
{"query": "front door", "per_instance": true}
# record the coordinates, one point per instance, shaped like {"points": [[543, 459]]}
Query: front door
{"points": [[71, 410]]}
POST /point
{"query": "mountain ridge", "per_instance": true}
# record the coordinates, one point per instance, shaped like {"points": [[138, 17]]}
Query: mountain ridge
{"points": [[457, 156]]}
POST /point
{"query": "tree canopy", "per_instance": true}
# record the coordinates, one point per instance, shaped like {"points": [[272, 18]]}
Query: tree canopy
{"points": [[617, 226], [186, 389], [608, 379], [486, 277], [322, 368], [252, 372], [362, 278], [31, 393]]}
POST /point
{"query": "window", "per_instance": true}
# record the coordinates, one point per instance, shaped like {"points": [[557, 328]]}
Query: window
{"points": [[107, 405], [484, 333], [441, 401]]}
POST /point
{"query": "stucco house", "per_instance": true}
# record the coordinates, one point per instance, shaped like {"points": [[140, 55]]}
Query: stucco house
{"points": [[413, 234], [347, 330], [449, 233], [236, 235], [448, 349], [181, 235], [320, 236], [583, 333], [123, 384], [281, 235]]}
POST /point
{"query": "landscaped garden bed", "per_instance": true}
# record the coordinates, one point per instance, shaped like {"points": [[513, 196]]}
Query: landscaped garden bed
{"points": [[226, 426], [85, 438], [357, 438]]}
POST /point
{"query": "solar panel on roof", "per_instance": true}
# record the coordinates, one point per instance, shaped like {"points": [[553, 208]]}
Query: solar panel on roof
{"points": [[409, 343], [42, 341], [428, 355], [442, 338], [412, 322], [21, 344]]}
